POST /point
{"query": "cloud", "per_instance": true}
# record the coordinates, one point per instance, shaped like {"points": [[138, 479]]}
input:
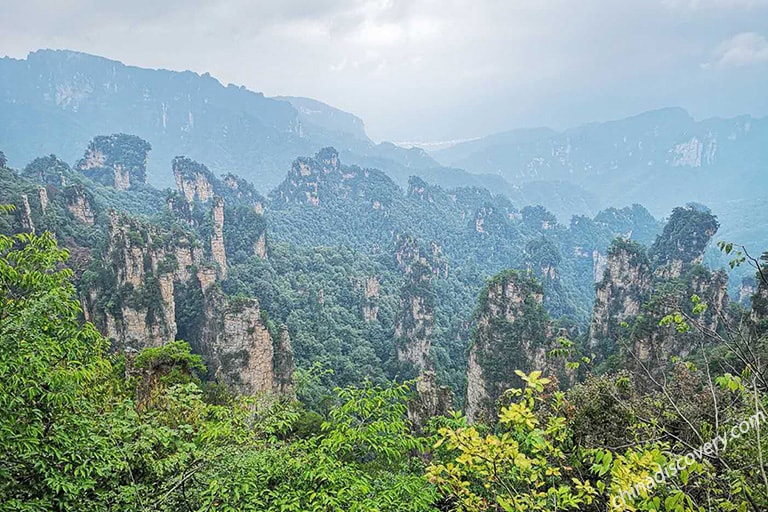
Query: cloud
{"points": [[418, 69], [715, 4], [741, 50]]}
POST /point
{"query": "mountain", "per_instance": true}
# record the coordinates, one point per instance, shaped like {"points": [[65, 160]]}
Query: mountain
{"points": [[659, 158], [55, 100], [318, 114]]}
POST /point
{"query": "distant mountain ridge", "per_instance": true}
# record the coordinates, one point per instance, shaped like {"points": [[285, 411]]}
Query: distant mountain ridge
{"points": [[656, 158], [55, 100]]}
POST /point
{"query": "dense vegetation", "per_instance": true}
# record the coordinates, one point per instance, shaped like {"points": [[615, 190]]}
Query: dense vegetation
{"points": [[85, 429], [353, 268]]}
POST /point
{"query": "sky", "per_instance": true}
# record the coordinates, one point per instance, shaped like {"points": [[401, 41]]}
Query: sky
{"points": [[434, 70]]}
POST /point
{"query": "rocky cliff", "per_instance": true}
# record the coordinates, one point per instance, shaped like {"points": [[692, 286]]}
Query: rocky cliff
{"points": [[193, 180], [132, 299], [218, 253], [626, 283], [312, 181], [512, 332], [152, 286], [640, 288], [416, 315], [118, 160], [80, 204]]}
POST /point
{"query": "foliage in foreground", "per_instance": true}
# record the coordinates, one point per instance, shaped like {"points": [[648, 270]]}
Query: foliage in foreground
{"points": [[81, 429]]}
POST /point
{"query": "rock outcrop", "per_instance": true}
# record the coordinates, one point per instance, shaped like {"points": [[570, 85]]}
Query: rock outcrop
{"points": [[25, 214], [430, 400], [133, 302], [415, 319], [218, 253], [260, 246], [283, 363], [312, 181], [638, 291], [513, 332], [236, 343], [626, 283], [42, 196], [193, 180], [118, 160], [371, 299], [80, 204], [154, 285], [683, 241]]}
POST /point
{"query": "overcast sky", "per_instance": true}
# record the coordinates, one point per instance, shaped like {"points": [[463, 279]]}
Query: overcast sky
{"points": [[435, 69]]}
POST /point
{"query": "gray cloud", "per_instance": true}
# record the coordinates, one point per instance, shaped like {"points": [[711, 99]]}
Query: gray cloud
{"points": [[742, 49], [429, 69]]}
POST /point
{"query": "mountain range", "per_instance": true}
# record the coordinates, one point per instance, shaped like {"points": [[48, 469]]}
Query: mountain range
{"points": [[54, 101]]}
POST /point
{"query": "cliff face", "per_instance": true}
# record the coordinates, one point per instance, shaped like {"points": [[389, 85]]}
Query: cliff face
{"points": [[118, 160], [154, 285], [236, 343], [513, 332], [371, 299], [430, 400], [312, 181], [80, 204], [26, 215], [414, 324], [683, 241], [133, 304], [415, 319], [283, 363], [193, 180], [642, 290], [625, 285], [218, 253]]}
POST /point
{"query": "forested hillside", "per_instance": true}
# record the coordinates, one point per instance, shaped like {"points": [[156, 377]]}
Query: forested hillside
{"points": [[197, 339]]}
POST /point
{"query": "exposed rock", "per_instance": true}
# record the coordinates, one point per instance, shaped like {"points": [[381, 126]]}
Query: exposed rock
{"points": [[260, 247], [117, 160], [138, 308], [238, 346], [513, 332], [180, 207], [415, 318], [26, 215], [599, 262], [80, 204], [218, 252], [431, 400], [683, 241], [241, 191], [284, 365], [625, 285], [747, 290], [371, 298], [42, 196], [193, 180], [314, 181]]}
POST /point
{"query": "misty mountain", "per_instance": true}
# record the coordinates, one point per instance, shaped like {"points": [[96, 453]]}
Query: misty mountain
{"points": [[54, 101], [657, 158]]}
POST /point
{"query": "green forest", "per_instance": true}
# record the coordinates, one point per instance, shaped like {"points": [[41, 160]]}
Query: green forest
{"points": [[345, 344]]}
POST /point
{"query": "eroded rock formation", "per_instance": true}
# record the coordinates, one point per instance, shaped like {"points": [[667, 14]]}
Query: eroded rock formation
{"points": [[218, 253], [513, 332], [80, 204], [118, 160], [193, 180]]}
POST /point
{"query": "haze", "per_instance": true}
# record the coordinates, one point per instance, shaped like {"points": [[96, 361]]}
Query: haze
{"points": [[428, 70]]}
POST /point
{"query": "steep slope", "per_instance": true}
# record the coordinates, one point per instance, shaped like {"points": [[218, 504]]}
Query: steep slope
{"points": [[640, 288], [54, 101], [659, 158]]}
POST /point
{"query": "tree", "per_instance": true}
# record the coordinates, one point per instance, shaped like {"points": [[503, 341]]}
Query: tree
{"points": [[55, 444]]}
